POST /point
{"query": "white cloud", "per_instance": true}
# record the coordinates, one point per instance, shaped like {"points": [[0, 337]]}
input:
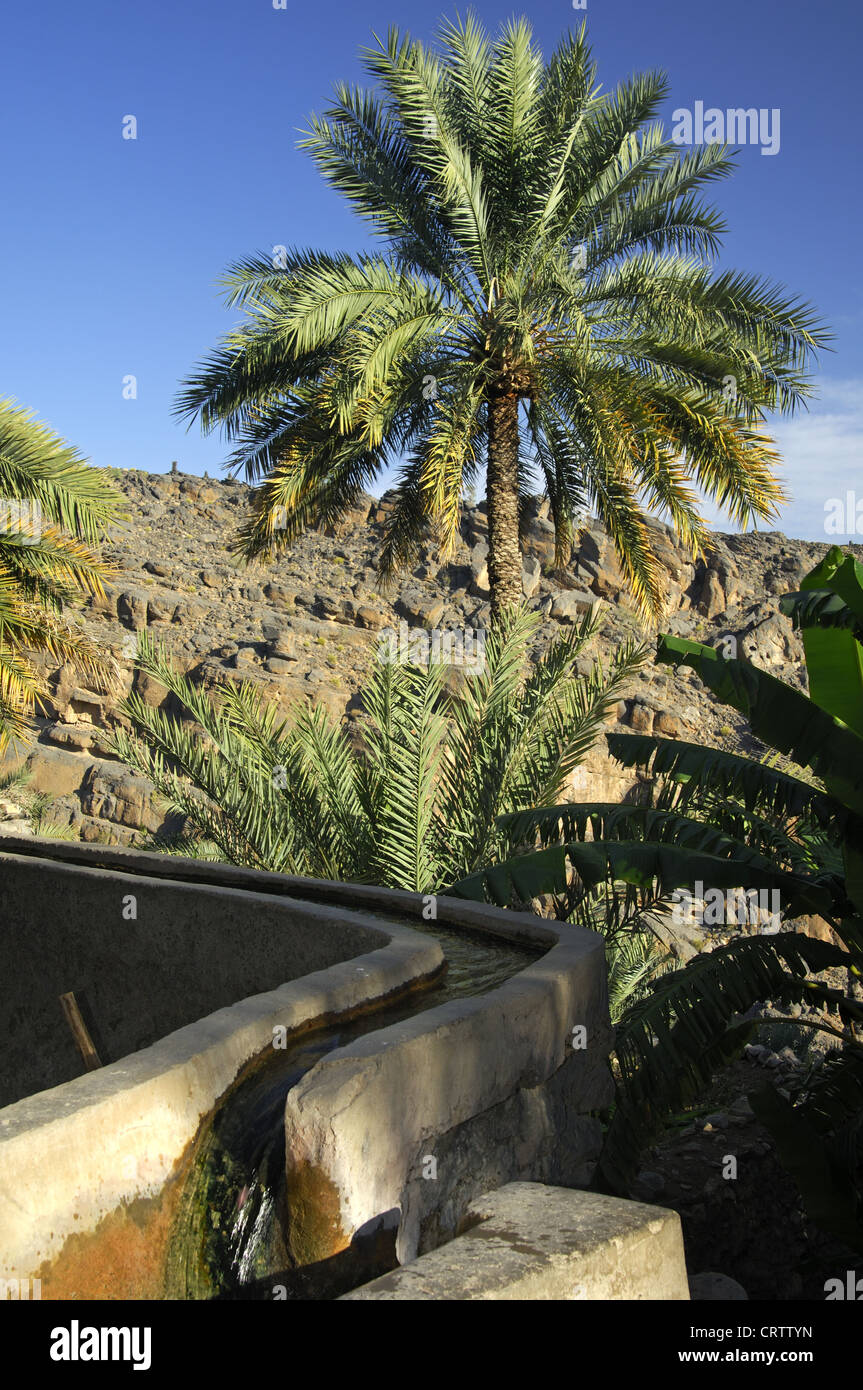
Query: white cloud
{"points": [[822, 458]]}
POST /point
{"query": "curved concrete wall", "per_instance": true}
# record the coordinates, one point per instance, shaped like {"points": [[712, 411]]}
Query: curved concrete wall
{"points": [[413, 1121], [419, 1118], [186, 951], [72, 1155]]}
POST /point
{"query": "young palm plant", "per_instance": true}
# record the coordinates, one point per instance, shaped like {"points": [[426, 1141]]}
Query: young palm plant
{"points": [[419, 803], [54, 510], [634, 955], [732, 823], [542, 305]]}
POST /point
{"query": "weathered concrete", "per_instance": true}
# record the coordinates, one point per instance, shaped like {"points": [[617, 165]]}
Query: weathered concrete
{"points": [[529, 1241], [490, 1089], [72, 1155], [476, 1092], [512, 926], [144, 956]]}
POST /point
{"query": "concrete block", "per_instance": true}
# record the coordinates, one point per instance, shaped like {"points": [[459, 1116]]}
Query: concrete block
{"points": [[527, 1241]]}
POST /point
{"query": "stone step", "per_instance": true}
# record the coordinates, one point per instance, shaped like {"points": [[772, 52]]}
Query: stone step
{"points": [[531, 1241]]}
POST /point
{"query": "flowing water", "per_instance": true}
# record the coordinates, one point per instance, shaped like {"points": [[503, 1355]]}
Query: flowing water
{"points": [[227, 1239]]}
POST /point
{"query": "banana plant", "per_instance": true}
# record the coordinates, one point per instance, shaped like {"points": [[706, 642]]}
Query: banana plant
{"points": [[728, 821]]}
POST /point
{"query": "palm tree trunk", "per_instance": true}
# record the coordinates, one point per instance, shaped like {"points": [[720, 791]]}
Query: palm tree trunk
{"points": [[504, 552]]}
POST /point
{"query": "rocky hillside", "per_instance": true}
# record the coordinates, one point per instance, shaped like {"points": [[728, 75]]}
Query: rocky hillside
{"points": [[308, 627]]}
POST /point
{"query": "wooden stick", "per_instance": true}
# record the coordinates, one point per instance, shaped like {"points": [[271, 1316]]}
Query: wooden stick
{"points": [[80, 1032]]}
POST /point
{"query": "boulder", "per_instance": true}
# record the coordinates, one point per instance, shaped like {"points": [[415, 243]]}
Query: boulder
{"points": [[594, 545], [56, 771], [78, 738], [151, 691], [571, 605], [160, 610], [420, 610], [719, 584], [132, 608], [327, 605], [531, 574], [479, 580], [711, 599], [188, 614], [666, 724], [87, 705], [279, 595], [370, 618], [641, 719], [16, 827], [119, 796], [351, 518], [282, 645]]}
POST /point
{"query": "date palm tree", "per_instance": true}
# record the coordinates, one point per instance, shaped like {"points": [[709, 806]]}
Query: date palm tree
{"points": [[541, 307], [54, 509]]}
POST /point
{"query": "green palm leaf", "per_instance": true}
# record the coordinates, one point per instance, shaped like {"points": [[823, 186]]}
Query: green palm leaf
{"points": [[545, 253]]}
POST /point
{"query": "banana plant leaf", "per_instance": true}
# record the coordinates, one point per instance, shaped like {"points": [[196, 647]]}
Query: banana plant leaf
{"points": [[758, 786], [834, 656], [669, 1045], [644, 864], [781, 716]]}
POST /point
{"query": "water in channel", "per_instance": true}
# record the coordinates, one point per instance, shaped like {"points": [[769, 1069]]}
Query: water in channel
{"points": [[227, 1239]]}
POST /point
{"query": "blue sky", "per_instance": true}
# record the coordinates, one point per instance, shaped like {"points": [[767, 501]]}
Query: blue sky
{"points": [[110, 249]]}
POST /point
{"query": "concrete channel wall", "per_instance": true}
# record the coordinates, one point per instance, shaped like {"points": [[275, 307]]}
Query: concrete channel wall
{"points": [[72, 1155], [187, 950], [419, 1118], [410, 1123]]}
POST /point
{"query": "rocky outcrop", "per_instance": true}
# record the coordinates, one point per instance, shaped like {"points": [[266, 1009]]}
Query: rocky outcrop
{"points": [[307, 627]]}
